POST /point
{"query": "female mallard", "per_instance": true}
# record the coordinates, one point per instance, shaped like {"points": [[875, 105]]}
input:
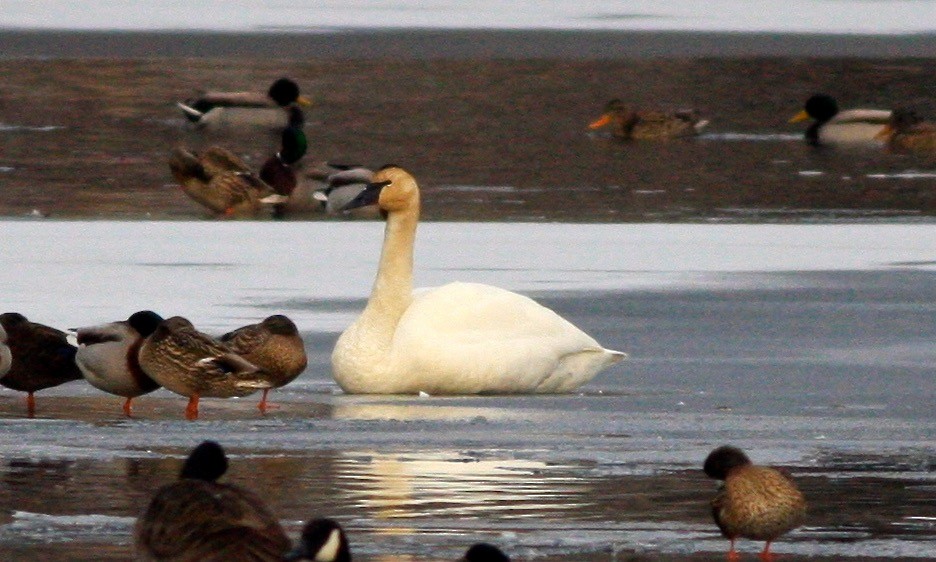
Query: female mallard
{"points": [[755, 502], [461, 338], [343, 183], [322, 540], [906, 131], [274, 346], [220, 110], [222, 182], [40, 357], [833, 127], [107, 356], [627, 123], [193, 364], [198, 518]]}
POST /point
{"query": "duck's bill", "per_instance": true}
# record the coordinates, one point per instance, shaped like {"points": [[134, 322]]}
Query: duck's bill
{"points": [[369, 196], [600, 122], [303, 100], [801, 116]]}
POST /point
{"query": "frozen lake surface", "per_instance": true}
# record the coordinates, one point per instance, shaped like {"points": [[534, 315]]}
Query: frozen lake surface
{"points": [[811, 346], [799, 16]]}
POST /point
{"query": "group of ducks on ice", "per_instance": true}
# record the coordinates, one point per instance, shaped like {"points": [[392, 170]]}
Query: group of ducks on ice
{"points": [[460, 338], [226, 186]]}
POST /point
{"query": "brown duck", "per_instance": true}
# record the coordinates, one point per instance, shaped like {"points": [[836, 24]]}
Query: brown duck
{"points": [[755, 502], [908, 132], [193, 364], [274, 346], [199, 519], [628, 123], [41, 357]]}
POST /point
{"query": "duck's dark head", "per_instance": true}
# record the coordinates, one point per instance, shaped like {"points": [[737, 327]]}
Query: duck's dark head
{"points": [[821, 107], [145, 322], [285, 91], [484, 552], [322, 540], [280, 325], [206, 462], [722, 460]]}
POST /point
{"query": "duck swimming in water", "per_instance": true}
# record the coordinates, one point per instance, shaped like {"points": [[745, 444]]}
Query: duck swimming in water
{"points": [[831, 126], [628, 123]]}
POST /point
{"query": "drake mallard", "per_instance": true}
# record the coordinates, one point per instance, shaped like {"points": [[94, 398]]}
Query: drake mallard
{"points": [[755, 502], [343, 183], [107, 356], [484, 552], [41, 357], [460, 338], [198, 518], [908, 132], [219, 110], [833, 127], [275, 346], [322, 540], [225, 184], [628, 123], [193, 364]]}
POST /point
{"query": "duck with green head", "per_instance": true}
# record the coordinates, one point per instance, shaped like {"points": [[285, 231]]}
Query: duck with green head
{"points": [[834, 127], [217, 111]]}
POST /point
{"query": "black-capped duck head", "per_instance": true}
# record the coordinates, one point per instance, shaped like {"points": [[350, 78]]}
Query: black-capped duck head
{"points": [[206, 462], [284, 92], [484, 552], [280, 325], [322, 540], [10, 320], [723, 460], [145, 322], [393, 190], [820, 107], [614, 112]]}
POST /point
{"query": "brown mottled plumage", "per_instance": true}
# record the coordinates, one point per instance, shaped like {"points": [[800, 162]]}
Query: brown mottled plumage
{"points": [[41, 357], [755, 502], [627, 123], [197, 519], [220, 181], [907, 132], [274, 346], [193, 364]]}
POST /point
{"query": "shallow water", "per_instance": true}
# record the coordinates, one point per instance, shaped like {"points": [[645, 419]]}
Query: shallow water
{"points": [[855, 16], [811, 346]]}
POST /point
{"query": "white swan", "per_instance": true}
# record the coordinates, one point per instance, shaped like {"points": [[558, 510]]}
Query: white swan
{"points": [[460, 338]]}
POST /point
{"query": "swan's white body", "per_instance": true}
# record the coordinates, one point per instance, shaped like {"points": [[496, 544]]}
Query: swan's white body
{"points": [[460, 338], [6, 356]]}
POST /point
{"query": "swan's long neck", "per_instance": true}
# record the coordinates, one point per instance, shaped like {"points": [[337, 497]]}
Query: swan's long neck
{"points": [[393, 288]]}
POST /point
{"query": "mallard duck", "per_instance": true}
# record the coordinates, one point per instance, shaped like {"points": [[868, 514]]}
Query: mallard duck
{"points": [[322, 540], [219, 110], [755, 502], [199, 519], [222, 182], [193, 364], [41, 357], [343, 183], [906, 131], [275, 346], [628, 123], [833, 127], [461, 338], [484, 552], [107, 356]]}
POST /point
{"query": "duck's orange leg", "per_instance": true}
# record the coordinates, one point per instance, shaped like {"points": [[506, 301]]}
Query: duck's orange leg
{"points": [[127, 408], [765, 554], [733, 555], [30, 405], [191, 411], [262, 406]]}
